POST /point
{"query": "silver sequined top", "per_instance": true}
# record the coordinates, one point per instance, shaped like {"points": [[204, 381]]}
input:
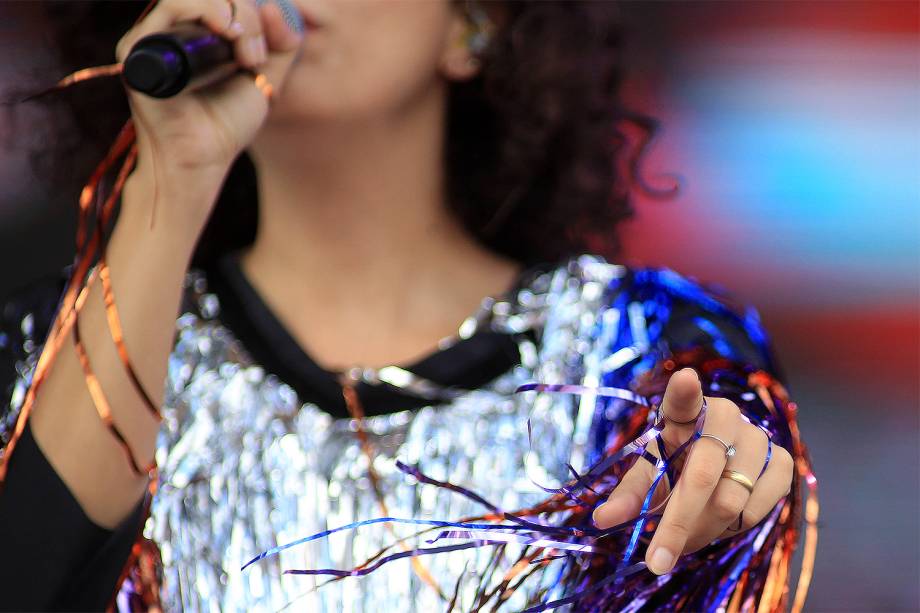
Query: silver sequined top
{"points": [[246, 466]]}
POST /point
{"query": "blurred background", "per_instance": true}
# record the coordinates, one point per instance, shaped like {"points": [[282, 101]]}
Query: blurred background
{"points": [[795, 126], [796, 129]]}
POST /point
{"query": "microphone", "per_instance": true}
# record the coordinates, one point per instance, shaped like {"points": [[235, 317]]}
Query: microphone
{"points": [[187, 56]]}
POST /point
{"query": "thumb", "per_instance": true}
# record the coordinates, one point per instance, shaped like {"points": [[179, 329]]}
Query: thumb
{"points": [[281, 25], [625, 502], [284, 32]]}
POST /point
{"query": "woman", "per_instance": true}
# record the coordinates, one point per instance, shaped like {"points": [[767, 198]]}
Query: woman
{"points": [[399, 183]]}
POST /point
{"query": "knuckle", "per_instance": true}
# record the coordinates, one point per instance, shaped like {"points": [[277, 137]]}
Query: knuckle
{"points": [[751, 432], [783, 459], [703, 475], [220, 14], [727, 504], [734, 410], [122, 48], [126, 43], [677, 528], [726, 408]]}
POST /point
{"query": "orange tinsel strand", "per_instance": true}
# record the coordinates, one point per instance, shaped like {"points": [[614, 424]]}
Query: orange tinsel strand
{"points": [[353, 403], [62, 323]]}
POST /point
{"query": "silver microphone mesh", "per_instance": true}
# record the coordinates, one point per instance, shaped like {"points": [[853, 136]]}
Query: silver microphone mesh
{"points": [[291, 15]]}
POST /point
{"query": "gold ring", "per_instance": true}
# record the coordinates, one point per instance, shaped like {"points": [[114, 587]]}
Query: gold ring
{"points": [[737, 477]]}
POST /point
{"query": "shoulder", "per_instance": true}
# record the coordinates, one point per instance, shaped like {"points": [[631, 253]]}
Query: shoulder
{"points": [[675, 309]]}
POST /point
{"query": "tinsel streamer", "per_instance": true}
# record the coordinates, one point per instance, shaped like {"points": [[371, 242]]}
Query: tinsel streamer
{"points": [[103, 408], [356, 409], [116, 331], [80, 76], [539, 536], [87, 248], [90, 246], [747, 571]]}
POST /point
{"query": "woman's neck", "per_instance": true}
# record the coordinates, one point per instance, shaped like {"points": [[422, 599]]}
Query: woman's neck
{"points": [[356, 251]]}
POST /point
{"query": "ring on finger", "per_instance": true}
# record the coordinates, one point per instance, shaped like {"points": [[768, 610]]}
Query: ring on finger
{"points": [[662, 416], [234, 27], [729, 447], [740, 478]]}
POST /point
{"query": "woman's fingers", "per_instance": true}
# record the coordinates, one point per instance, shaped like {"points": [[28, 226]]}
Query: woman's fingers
{"points": [[682, 398], [283, 44], [625, 501], [250, 45], [681, 405], [215, 14], [773, 485], [730, 497], [704, 505], [259, 33], [698, 480], [682, 401], [279, 35]]}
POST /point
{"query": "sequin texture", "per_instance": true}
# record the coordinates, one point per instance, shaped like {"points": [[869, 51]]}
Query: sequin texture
{"points": [[245, 466]]}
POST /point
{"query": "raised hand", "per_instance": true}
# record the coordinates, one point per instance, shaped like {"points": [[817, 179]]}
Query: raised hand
{"points": [[195, 136], [707, 503]]}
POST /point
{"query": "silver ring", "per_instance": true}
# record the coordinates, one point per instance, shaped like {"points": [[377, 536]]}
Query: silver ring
{"points": [[729, 449], [661, 417]]}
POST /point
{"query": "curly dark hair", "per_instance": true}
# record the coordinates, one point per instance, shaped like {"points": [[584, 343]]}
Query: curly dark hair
{"points": [[539, 166]]}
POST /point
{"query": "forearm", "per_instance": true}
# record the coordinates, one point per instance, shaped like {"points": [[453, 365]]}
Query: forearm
{"points": [[147, 270]]}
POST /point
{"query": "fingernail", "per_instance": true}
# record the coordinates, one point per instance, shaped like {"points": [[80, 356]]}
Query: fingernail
{"points": [[693, 370], [595, 514], [661, 561], [235, 29]]}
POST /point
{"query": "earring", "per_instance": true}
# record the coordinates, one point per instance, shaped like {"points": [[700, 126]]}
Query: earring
{"points": [[479, 30]]}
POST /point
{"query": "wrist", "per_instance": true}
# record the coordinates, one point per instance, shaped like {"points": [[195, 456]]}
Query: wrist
{"points": [[164, 207], [204, 172]]}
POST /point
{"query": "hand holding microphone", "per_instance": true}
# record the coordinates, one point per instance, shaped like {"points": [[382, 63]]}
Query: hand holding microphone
{"points": [[188, 55], [187, 143]]}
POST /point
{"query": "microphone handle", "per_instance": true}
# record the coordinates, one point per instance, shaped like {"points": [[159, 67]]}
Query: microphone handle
{"points": [[187, 56]]}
